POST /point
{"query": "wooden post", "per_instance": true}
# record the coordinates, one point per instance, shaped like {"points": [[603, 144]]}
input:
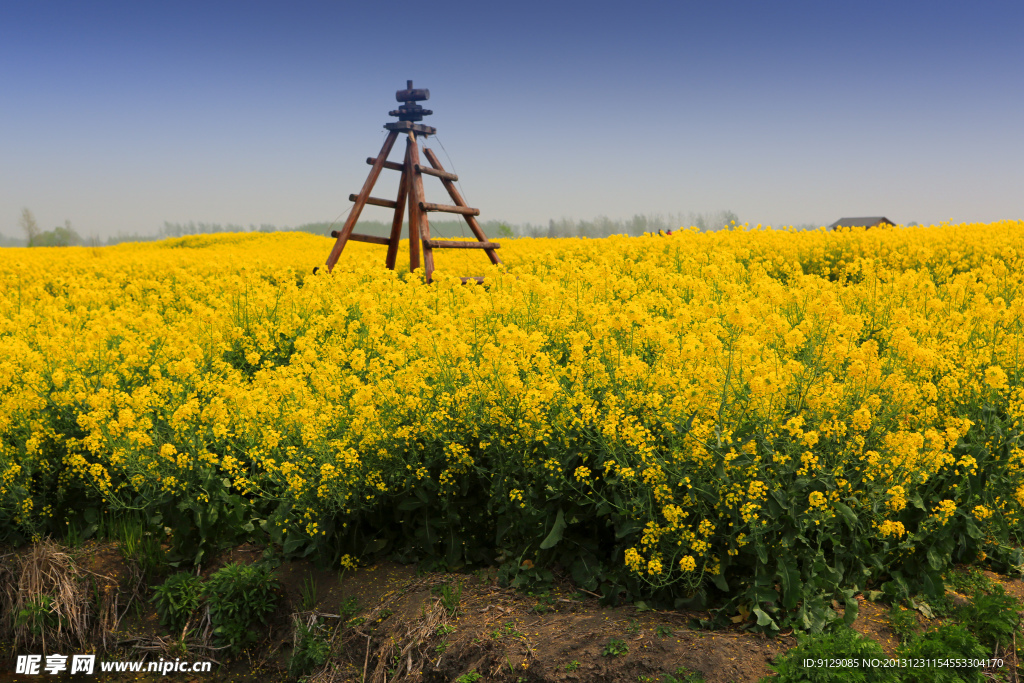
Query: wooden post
{"points": [[414, 207], [364, 194], [396, 223], [419, 230]]}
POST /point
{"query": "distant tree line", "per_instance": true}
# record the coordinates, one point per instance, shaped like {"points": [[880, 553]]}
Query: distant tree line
{"points": [[565, 227], [601, 226], [192, 228]]}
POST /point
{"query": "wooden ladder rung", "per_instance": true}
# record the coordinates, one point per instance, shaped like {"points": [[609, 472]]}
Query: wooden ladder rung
{"points": [[448, 244], [356, 237], [448, 208], [387, 164], [445, 175], [387, 203]]}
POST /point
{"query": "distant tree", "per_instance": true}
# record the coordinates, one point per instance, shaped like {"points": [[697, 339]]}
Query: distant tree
{"points": [[505, 231], [29, 226], [61, 236], [714, 221]]}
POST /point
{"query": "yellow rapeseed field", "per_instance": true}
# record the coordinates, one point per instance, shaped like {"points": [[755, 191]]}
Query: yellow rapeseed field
{"points": [[775, 417]]}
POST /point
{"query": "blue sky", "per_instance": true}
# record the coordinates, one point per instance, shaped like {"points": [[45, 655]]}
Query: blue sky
{"points": [[119, 116]]}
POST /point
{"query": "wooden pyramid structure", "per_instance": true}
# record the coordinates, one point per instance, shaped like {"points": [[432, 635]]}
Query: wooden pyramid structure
{"points": [[410, 191]]}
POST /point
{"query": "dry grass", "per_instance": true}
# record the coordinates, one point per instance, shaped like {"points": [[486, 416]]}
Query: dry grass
{"points": [[46, 602], [391, 654]]}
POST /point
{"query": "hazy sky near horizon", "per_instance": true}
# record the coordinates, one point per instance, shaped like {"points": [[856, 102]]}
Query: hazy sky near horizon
{"points": [[120, 116]]}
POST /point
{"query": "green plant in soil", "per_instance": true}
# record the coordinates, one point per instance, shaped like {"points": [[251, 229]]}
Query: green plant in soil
{"points": [[311, 650], [949, 641], [240, 598], [140, 547], [683, 675], [308, 593], [450, 597], [509, 629], [37, 616], [177, 599], [993, 617], [941, 606], [967, 580], [615, 648], [843, 643], [348, 608], [903, 622]]}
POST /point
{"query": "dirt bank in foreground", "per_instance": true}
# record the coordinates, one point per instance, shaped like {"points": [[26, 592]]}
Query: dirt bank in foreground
{"points": [[387, 623]]}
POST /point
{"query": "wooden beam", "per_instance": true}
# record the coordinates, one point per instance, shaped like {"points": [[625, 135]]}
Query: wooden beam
{"points": [[448, 208], [387, 164], [414, 207], [451, 244], [372, 239], [419, 230], [437, 174], [396, 222], [357, 208], [356, 237], [386, 203], [459, 201], [478, 279]]}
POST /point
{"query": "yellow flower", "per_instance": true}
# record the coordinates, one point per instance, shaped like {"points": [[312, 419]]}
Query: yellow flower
{"points": [[995, 378], [944, 511], [982, 512], [891, 528], [817, 500], [633, 559]]}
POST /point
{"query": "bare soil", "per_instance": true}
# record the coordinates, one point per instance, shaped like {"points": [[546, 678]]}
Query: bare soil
{"points": [[389, 623]]}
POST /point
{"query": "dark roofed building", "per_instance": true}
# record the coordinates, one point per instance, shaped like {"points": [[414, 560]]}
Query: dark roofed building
{"points": [[861, 222]]}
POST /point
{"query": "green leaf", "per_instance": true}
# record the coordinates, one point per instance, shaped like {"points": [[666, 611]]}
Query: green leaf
{"points": [[789, 577], [848, 514], [764, 620], [376, 545], [556, 532], [762, 552], [852, 609], [292, 543], [972, 529], [935, 560]]}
